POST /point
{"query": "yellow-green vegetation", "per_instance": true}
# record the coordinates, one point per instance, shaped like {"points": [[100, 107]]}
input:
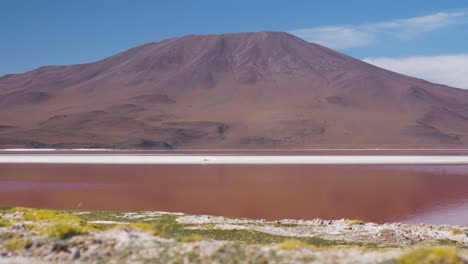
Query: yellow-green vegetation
{"points": [[18, 244], [451, 243], [54, 223], [457, 231], [294, 244], [144, 227], [103, 216], [65, 224], [30, 226], [40, 216], [244, 244], [166, 226], [4, 222], [64, 230], [432, 255], [191, 239], [356, 222]]}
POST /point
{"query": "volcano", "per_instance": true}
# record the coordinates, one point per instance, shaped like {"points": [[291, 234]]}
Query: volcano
{"points": [[247, 90]]}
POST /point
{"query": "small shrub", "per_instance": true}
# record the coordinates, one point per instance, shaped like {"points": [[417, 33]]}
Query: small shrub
{"points": [[144, 227], [456, 231], [31, 227], [16, 209], [191, 239], [38, 215], [387, 232], [6, 235], [64, 231], [54, 223], [18, 244], [433, 255], [356, 222], [4, 222], [293, 244]]}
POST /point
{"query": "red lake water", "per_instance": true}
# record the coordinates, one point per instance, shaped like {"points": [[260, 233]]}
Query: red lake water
{"points": [[432, 194]]}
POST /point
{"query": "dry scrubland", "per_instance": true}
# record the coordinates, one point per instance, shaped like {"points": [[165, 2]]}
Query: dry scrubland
{"points": [[33, 235]]}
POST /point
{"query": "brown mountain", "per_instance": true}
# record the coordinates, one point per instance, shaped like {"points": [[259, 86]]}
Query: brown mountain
{"points": [[250, 90]]}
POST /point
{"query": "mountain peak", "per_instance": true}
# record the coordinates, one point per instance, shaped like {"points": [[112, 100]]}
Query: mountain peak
{"points": [[242, 35], [250, 57]]}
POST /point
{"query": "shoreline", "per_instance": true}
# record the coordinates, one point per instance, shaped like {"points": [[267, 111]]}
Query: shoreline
{"points": [[231, 159], [45, 236]]}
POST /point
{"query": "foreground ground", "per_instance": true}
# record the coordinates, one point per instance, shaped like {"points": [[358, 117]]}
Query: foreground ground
{"points": [[36, 236]]}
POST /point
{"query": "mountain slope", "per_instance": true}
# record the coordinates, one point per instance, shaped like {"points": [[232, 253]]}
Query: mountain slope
{"points": [[248, 90]]}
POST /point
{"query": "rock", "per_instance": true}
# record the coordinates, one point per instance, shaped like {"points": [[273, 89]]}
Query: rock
{"points": [[19, 226], [75, 252], [60, 247]]}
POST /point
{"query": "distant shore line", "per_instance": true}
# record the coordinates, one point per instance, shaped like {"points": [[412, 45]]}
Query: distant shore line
{"points": [[231, 159], [228, 149]]}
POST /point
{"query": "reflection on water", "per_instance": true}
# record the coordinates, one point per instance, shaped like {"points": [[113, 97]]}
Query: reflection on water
{"points": [[433, 169], [416, 193], [455, 213], [10, 186]]}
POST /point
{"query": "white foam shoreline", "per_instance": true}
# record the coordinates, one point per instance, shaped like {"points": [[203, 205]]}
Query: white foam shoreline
{"points": [[228, 159], [233, 149]]}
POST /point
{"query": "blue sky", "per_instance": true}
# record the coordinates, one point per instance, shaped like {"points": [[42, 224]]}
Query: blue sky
{"points": [[399, 35]]}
